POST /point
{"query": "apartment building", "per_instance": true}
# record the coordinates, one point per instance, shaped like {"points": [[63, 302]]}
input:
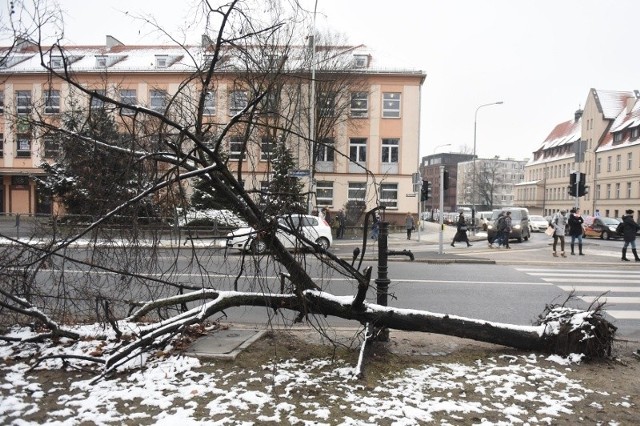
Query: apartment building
{"points": [[369, 157], [603, 142], [495, 183], [430, 171]]}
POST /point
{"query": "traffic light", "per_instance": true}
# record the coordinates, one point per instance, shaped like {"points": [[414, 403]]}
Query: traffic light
{"points": [[572, 184], [425, 192], [445, 180], [583, 189]]}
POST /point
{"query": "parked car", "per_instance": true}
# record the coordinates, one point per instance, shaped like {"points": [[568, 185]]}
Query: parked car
{"points": [[519, 224], [600, 227], [537, 223], [483, 219], [312, 227]]}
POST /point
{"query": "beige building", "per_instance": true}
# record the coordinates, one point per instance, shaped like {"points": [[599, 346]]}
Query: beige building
{"points": [[380, 129], [607, 132]]}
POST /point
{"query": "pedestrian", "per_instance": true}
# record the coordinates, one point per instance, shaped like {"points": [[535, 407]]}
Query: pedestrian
{"points": [[575, 230], [409, 224], [629, 230], [461, 232], [496, 238], [504, 228], [342, 223], [326, 215], [559, 223]]}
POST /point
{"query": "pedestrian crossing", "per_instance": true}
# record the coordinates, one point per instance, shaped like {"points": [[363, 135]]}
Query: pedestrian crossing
{"points": [[619, 289]]}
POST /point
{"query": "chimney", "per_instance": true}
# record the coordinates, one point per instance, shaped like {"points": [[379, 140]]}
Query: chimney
{"points": [[113, 42], [578, 114]]}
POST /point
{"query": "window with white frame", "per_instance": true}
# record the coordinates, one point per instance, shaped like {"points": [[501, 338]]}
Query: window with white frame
{"points": [[358, 150], [359, 104], [23, 145], [236, 144], [324, 193], [389, 195], [237, 101], [128, 97], [618, 162], [617, 190], [51, 147], [158, 100], [325, 149], [608, 191], [360, 61], [266, 148], [599, 165], [617, 137], [162, 61], [391, 105], [327, 104], [609, 163], [635, 133], [23, 101], [101, 61], [629, 160], [597, 195], [56, 62], [628, 190], [357, 191], [52, 102], [390, 149], [209, 103], [97, 103]]}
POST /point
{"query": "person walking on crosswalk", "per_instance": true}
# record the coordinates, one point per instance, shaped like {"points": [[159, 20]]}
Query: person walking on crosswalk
{"points": [[629, 230], [559, 223]]}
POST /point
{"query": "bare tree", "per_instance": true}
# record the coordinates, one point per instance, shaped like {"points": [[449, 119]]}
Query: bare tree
{"points": [[118, 273]]}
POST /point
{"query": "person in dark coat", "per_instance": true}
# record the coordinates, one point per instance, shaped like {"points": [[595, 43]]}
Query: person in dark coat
{"points": [[575, 230], [461, 233], [629, 230]]}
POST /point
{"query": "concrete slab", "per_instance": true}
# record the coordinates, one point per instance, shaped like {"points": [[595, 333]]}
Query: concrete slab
{"points": [[224, 344]]}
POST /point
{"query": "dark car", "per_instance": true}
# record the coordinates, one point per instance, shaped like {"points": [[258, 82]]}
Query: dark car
{"points": [[519, 224], [600, 227]]}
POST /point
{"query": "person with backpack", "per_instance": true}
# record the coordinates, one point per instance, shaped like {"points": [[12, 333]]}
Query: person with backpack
{"points": [[503, 229], [559, 223], [575, 230], [629, 230]]}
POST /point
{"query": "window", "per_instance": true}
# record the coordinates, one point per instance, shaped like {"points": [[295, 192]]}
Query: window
{"points": [[161, 61], [358, 149], [327, 104], [209, 103], [324, 193], [618, 162], [635, 133], [1, 101], [1, 145], [357, 191], [609, 163], [266, 148], [128, 97], [599, 165], [20, 181], [617, 190], [269, 103], [97, 103], [359, 104], [608, 191], [360, 61], [101, 61], [237, 101], [391, 105], [389, 195], [390, 150], [52, 102], [23, 145], [23, 102], [56, 62], [325, 150], [158, 100], [629, 160], [51, 147], [628, 190], [236, 143], [617, 137]]}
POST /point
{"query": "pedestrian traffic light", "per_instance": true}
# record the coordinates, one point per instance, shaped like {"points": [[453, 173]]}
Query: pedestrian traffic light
{"points": [[572, 184], [425, 192], [445, 179]]}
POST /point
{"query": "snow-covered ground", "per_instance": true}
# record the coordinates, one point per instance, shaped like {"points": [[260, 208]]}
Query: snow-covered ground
{"points": [[174, 389]]}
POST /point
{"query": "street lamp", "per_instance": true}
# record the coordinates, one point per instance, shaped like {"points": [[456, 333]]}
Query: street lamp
{"points": [[440, 146], [473, 182]]}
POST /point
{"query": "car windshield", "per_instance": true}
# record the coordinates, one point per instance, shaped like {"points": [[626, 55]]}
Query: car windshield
{"points": [[537, 218], [609, 221]]}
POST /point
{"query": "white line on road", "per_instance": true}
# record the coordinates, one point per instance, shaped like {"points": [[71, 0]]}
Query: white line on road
{"points": [[599, 289], [588, 280], [617, 300], [624, 314], [537, 271]]}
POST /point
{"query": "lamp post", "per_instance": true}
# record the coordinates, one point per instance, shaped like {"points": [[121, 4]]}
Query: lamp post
{"points": [[473, 181]]}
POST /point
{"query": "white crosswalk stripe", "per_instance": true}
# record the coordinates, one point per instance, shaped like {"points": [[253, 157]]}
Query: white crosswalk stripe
{"points": [[618, 289]]}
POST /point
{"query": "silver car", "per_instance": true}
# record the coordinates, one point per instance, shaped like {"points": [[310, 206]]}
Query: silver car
{"points": [[537, 223], [312, 228]]}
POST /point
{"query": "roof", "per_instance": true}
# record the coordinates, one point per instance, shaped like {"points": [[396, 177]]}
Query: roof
{"points": [[611, 102], [628, 118]]}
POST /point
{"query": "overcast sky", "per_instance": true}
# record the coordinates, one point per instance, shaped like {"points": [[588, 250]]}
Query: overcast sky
{"points": [[539, 57]]}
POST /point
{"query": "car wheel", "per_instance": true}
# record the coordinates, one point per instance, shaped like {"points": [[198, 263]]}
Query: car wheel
{"points": [[605, 235], [258, 246], [323, 242]]}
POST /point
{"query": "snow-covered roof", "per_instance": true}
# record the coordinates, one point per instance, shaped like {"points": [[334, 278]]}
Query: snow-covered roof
{"points": [[620, 133], [611, 102]]}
